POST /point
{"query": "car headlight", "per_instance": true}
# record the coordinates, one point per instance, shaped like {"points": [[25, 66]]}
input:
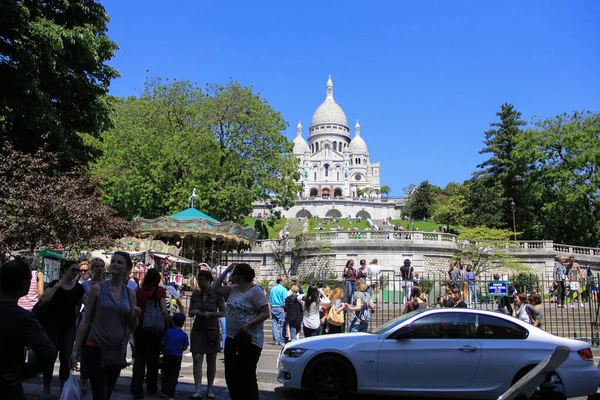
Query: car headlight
{"points": [[294, 352]]}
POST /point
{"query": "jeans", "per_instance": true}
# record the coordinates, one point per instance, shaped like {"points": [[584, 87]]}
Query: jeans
{"points": [[240, 370], [351, 287], [278, 316], [358, 326], [293, 333], [223, 331], [102, 380], [171, 366], [63, 339], [147, 352], [560, 293], [473, 294]]}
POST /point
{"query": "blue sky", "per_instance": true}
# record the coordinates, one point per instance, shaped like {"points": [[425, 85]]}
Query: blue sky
{"points": [[424, 78]]}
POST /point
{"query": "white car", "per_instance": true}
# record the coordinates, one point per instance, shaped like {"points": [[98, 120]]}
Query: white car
{"points": [[447, 352]]}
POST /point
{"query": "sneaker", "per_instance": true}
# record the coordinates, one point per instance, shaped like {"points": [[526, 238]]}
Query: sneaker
{"points": [[572, 305], [582, 305]]}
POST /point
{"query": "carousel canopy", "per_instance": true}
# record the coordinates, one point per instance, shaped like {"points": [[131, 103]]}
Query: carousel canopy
{"points": [[192, 213], [195, 223]]}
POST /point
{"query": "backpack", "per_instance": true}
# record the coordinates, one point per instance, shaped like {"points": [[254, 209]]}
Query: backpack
{"points": [[364, 315], [154, 320], [294, 310], [333, 318]]}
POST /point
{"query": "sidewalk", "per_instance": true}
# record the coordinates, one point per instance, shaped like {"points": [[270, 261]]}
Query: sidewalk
{"points": [[33, 390]]}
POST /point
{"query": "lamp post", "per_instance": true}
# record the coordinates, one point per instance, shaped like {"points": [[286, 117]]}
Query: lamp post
{"points": [[513, 207]]}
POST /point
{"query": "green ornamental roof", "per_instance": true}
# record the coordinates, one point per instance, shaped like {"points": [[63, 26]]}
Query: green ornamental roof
{"points": [[192, 213]]}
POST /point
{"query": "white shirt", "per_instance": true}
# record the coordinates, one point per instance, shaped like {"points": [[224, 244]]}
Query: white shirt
{"points": [[311, 318]]}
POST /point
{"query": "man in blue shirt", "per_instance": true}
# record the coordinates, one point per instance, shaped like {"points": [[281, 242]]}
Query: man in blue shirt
{"points": [[278, 294]]}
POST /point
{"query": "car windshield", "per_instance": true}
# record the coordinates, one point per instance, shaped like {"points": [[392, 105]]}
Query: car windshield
{"points": [[390, 324]]}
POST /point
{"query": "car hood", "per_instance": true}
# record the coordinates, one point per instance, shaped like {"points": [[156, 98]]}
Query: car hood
{"points": [[336, 341]]}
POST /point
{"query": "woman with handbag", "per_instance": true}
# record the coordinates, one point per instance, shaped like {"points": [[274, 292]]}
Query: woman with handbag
{"points": [[206, 307], [153, 323], [61, 303], [111, 313], [335, 314]]}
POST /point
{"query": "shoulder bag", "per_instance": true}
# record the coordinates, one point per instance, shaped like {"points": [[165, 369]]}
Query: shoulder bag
{"points": [[333, 318], [154, 319]]}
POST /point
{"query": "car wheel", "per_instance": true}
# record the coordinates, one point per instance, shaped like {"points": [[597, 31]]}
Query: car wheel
{"points": [[550, 389], [330, 378]]}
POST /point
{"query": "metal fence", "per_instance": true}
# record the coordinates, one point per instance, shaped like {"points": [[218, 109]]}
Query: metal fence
{"points": [[579, 318]]}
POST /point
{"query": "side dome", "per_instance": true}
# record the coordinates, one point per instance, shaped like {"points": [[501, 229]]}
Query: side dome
{"points": [[300, 145], [329, 112], [357, 145]]}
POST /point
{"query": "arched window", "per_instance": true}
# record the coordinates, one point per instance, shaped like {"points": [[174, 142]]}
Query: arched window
{"points": [[334, 146], [315, 175], [326, 169], [316, 147], [338, 175]]}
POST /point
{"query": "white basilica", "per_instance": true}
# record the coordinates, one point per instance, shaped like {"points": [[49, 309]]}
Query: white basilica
{"points": [[332, 165], [336, 174]]}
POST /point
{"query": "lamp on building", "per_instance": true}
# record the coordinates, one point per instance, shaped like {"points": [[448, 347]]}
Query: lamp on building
{"points": [[513, 208]]}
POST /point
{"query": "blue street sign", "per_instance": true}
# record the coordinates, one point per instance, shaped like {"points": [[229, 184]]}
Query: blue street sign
{"points": [[497, 288]]}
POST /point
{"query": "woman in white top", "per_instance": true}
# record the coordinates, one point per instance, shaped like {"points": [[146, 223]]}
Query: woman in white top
{"points": [[520, 310], [312, 302]]}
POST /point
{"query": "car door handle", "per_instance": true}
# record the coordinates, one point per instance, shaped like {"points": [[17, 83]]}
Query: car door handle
{"points": [[468, 349]]}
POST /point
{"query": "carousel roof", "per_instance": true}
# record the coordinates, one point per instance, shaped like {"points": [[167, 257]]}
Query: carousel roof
{"points": [[192, 213], [192, 222]]}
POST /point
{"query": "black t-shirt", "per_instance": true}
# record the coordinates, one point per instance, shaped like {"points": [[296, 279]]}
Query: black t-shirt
{"points": [[18, 329], [61, 308], [294, 311], [406, 272]]}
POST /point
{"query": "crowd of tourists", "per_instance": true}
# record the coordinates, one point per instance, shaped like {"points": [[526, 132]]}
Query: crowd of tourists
{"points": [[86, 321]]}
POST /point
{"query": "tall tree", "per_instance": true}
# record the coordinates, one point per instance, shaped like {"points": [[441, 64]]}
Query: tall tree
{"points": [[224, 140], [500, 142], [41, 206], [54, 74], [419, 204], [562, 156]]}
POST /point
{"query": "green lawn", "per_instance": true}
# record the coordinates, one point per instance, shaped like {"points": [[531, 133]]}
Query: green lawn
{"points": [[343, 222], [273, 232], [425, 226]]}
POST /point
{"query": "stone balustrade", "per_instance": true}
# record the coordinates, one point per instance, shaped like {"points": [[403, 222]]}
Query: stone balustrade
{"points": [[449, 241]]}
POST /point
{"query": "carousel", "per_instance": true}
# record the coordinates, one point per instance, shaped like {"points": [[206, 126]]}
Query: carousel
{"points": [[186, 241]]}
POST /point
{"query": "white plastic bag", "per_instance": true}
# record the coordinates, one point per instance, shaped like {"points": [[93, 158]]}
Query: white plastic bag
{"points": [[71, 390]]}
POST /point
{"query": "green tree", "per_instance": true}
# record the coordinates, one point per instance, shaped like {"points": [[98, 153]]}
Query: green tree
{"points": [[483, 203], [419, 204], [54, 75], [562, 156], [385, 190], [226, 141], [486, 249], [451, 211], [502, 166]]}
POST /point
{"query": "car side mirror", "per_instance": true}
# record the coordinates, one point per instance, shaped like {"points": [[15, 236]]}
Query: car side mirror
{"points": [[403, 333]]}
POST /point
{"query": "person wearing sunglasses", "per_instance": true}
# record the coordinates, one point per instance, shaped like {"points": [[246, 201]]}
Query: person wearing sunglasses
{"points": [[84, 271], [62, 303]]}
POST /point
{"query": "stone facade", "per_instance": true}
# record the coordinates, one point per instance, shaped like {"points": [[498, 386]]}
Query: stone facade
{"points": [[337, 176]]}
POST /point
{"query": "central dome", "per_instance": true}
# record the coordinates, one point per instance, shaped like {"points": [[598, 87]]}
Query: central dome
{"points": [[329, 112]]}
